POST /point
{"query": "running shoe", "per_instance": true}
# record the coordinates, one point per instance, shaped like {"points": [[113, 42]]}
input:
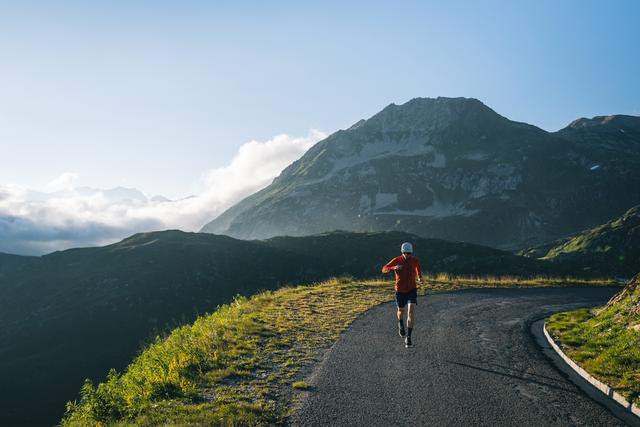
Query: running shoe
{"points": [[407, 342]]}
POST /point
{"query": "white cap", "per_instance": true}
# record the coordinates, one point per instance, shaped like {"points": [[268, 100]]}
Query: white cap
{"points": [[406, 248]]}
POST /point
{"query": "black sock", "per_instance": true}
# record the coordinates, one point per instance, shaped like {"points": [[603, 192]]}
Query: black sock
{"points": [[409, 332], [401, 323]]}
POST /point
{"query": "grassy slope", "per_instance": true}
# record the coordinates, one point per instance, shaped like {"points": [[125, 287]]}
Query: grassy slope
{"points": [[77, 313], [10, 263], [605, 341], [240, 364], [612, 248]]}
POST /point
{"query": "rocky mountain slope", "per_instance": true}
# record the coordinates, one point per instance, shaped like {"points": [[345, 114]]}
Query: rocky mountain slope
{"points": [[612, 248], [451, 168], [75, 314], [627, 303]]}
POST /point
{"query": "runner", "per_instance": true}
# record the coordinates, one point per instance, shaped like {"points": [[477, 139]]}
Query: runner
{"points": [[407, 268]]}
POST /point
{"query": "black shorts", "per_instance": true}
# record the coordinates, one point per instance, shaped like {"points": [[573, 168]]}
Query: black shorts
{"points": [[402, 298]]}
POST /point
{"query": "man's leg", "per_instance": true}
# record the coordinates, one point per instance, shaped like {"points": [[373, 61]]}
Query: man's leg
{"points": [[400, 316], [400, 313], [411, 318]]}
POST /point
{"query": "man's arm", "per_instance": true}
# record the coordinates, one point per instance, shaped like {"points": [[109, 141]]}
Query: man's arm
{"points": [[419, 270], [390, 266]]}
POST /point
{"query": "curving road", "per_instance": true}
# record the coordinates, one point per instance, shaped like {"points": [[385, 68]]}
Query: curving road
{"points": [[475, 362]]}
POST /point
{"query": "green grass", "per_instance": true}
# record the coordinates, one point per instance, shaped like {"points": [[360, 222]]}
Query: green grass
{"points": [[300, 385], [605, 342], [450, 281], [241, 364]]}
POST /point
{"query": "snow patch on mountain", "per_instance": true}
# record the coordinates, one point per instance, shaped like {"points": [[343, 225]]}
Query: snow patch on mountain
{"points": [[385, 199], [409, 146], [436, 210], [349, 157], [476, 156], [499, 180]]}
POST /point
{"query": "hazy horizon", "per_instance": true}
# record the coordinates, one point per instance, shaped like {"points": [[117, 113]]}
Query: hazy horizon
{"points": [[181, 99]]}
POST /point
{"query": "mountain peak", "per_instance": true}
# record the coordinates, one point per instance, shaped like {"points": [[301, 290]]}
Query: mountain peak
{"points": [[426, 113], [435, 108], [619, 127], [612, 120], [440, 101], [448, 168], [429, 114]]}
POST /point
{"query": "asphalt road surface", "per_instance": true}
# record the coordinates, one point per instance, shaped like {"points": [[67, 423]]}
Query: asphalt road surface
{"points": [[475, 361]]}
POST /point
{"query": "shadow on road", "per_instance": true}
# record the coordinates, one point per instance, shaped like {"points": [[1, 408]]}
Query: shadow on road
{"points": [[507, 368], [511, 375]]}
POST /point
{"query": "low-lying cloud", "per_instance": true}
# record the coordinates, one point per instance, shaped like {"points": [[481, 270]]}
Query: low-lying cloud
{"points": [[70, 216]]}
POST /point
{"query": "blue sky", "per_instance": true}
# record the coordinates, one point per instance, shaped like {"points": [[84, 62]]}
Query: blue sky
{"points": [[161, 95], [152, 94]]}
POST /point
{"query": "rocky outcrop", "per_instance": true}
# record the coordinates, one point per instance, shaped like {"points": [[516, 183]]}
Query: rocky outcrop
{"points": [[451, 168], [629, 298]]}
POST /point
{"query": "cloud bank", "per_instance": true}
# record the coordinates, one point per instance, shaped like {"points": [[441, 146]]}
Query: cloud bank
{"points": [[67, 215]]}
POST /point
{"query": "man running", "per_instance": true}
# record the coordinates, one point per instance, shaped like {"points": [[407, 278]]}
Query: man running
{"points": [[407, 268]]}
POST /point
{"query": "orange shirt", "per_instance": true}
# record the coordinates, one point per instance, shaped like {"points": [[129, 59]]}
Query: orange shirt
{"points": [[406, 277]]}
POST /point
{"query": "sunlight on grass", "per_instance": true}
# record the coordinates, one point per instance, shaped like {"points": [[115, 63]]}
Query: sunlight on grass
{"points": [[604, 342], [300, 385], [493, 281], [234, 366]]}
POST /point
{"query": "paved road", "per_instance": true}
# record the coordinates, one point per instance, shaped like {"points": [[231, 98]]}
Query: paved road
{"points": [[475, 362]]}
